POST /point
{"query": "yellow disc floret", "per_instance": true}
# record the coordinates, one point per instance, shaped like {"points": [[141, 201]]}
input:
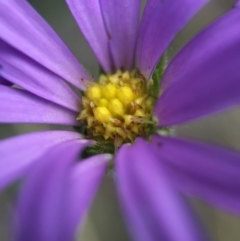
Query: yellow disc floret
{"points": [[102, 114], [109, 91], [94, 92], [118, 107], [125, 94], [101, 102]]}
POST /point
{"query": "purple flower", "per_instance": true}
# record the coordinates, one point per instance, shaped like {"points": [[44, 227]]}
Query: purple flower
{"points": [[203, 78]]}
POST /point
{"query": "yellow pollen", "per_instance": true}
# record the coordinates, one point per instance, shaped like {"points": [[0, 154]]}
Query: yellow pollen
{"points": [[118, 108]]}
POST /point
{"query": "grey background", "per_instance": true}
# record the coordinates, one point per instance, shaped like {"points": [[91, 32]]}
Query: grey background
{"points": [[104, 222]]}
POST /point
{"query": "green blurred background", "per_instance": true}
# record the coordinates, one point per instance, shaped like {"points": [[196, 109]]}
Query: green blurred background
{"points": [[104, 222]]}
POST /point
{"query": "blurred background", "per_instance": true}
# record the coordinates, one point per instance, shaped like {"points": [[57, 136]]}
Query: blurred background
{"points": [[104, 222]]}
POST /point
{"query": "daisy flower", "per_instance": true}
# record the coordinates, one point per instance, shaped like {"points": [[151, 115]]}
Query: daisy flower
{"points": [[123, 118]]}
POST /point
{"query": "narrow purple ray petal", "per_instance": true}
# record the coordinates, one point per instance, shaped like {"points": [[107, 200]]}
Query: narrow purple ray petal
{"points": [[147, 16], [19, 153], [89, 18], [19, 106], [3, 81], [42, 212], [22, 27], [202, 170], [204, 76], [86, 178], [25, 72], [152, 208], [162, 20], [121, 20]]}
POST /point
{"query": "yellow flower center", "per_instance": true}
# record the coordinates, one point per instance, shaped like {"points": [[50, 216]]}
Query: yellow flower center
{"points": [[118, 108]]}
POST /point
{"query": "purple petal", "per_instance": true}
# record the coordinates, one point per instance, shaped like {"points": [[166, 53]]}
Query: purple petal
{"points": [[88, 15], [3, 81], [121, 20], [237, 4], [19, 106], [86, 178], [23, 28], [202, 170], [25, 72], [147, 16], [152, 208], [204, 76], [19, 153], [162, 20], [42, 212]]}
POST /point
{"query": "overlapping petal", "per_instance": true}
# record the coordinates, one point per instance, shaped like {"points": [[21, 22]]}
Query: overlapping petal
{"points": [[3, 81], [204, 76], [88, 15], [121, 21], [202, 170], [19, 153], [85, 180], [19, 106], [25, 72], [161, 21], [42, 212], [153, 210], [22, 27]]}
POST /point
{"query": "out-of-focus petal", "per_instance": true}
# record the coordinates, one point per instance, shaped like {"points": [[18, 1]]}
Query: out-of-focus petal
{"points": [[237, 4], [19, 106], [88, 15], [205, 171], [204, 76], [22, 27], [42, 211], [25, 72], [161, 21], [85, 180], [153, 210], [3, 81], [19, 153], [121, 21]]}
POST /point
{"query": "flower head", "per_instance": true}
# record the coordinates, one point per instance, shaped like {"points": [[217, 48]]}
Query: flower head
{"points": [[118, 108], [118, 117]]}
